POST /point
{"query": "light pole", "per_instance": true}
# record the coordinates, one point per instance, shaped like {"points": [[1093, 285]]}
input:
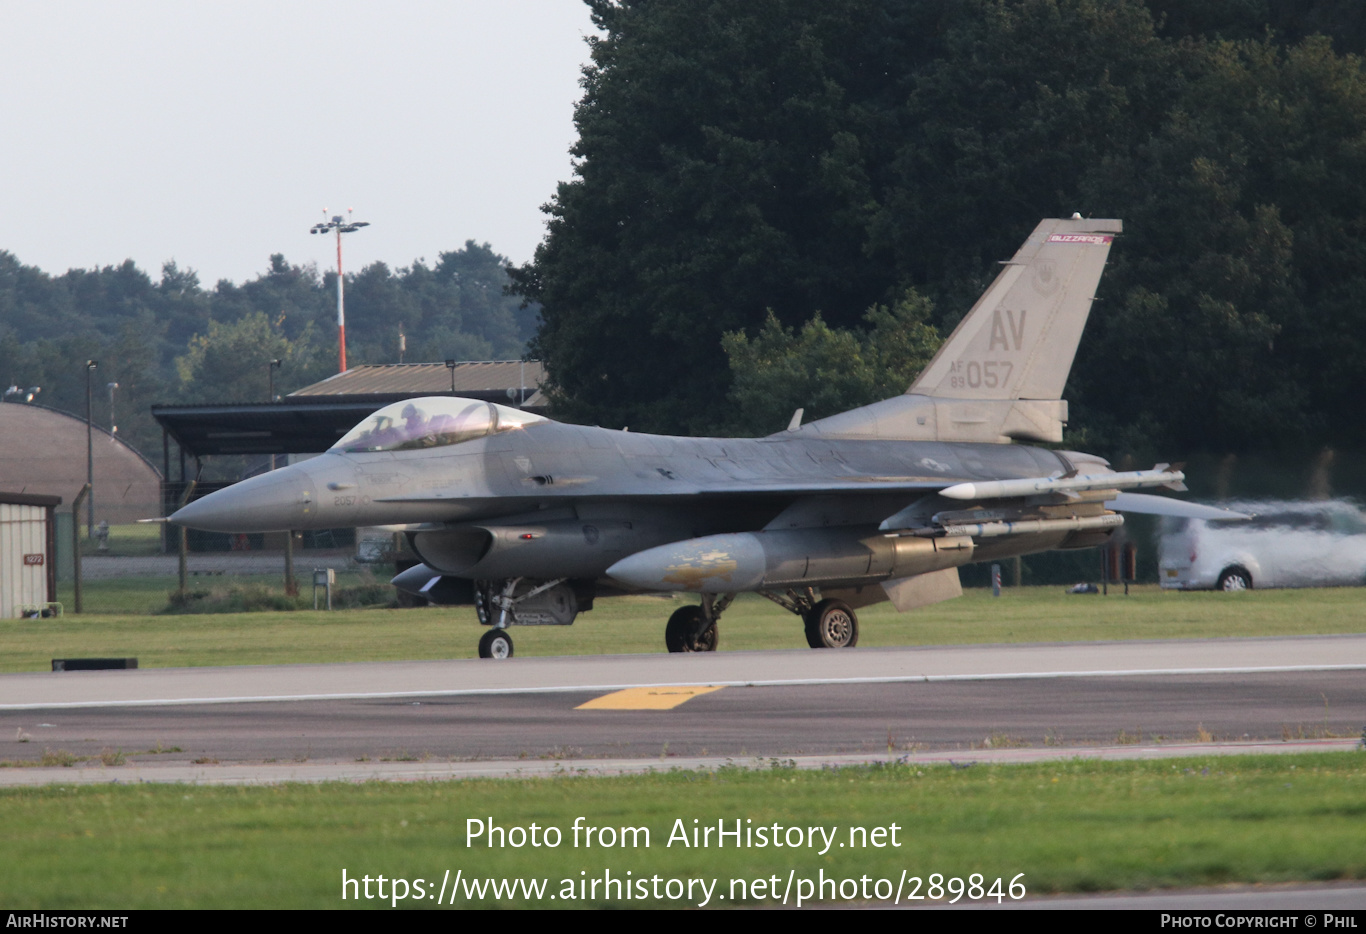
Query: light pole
{"points": [[450, 365], [341, 225], [113, 423], [270, 393], [90, 365], [291, 588]]}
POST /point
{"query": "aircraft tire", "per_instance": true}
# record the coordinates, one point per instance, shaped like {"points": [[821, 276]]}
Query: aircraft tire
{"points": [[681, 632], [496, 643], [831, 624]]}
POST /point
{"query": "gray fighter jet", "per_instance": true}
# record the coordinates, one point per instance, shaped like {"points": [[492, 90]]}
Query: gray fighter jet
{"points": [[531, 520]]}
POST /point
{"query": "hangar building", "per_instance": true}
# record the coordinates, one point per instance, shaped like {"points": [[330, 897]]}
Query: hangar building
{"points": [[43, 452]]}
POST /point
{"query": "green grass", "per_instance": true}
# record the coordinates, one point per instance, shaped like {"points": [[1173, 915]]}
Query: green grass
{"points": [[636, 624], [134, 539], [1128, 826]]}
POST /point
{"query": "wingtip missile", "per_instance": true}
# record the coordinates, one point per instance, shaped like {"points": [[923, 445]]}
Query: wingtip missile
{"points": [[1040, 486]]}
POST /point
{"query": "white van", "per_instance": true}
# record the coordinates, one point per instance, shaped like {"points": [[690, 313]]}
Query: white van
{"points": [[1285, 544]]}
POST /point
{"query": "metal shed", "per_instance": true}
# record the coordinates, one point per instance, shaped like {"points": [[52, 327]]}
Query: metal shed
{"points": [[28, 551]]}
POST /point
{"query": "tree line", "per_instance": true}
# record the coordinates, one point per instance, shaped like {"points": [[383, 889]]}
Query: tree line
{"points": [[758, 177], [170, 340]]}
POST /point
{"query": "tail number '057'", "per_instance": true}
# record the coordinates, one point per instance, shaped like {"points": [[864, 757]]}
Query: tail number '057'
{"points": [[973, 374]]}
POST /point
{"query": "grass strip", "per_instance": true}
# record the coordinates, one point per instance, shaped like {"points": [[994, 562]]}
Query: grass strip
{"points": [[636, 625], [1077, 826]]}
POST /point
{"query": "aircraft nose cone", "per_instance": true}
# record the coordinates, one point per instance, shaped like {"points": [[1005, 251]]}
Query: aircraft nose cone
{"points": [[273, 502]]}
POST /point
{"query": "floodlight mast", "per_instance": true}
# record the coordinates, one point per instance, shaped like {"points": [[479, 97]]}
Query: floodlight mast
{"points": [[341, 225], [89, 455]]}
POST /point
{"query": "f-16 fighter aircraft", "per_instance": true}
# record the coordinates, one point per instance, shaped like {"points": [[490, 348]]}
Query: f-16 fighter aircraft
{"points": [[531, 520]]}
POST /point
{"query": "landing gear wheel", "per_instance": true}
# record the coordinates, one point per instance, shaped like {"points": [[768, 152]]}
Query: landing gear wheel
{"points": [[1234, 579], [830, 624], [496, 643], [685, 633]]}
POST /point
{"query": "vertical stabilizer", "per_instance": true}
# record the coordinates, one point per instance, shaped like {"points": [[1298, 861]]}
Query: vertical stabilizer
{"points": [[1000, 375], [1018, 341]]}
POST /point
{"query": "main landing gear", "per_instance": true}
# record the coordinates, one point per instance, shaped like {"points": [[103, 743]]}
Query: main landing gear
{"points": [[828, 624], [693, 628], [831, 624]]}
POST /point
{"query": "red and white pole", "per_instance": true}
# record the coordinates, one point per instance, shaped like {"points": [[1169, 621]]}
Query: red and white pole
{"points": [[341, 308], [340, 225]]}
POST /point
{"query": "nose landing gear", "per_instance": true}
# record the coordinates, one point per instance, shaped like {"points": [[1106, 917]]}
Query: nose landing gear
{"points": [[496, 643], [519, 602]]}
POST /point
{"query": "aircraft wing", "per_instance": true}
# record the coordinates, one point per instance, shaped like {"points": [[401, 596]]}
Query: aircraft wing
{"points": [[988, 509], [576, 488], [1026, 490]]}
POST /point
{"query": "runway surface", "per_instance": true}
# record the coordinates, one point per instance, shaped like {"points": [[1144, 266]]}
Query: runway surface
{"points": [[472, 717], [610, 672]]}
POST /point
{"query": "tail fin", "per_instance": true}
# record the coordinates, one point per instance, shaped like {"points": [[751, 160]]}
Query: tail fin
{"points": [[1000, 375], [1019, 340]]}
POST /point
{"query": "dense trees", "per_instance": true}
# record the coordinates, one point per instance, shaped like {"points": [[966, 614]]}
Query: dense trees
{"points": [[173, 341], [720, 177], [744, 168], [1243, 281], [825, 371]]}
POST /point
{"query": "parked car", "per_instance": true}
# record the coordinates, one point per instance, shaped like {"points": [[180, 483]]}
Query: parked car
{"points": [[1285, 544]]}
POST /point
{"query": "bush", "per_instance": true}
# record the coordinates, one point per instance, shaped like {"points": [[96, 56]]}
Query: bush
{"points": [[238, 598], [370, 594], [255, 598]]}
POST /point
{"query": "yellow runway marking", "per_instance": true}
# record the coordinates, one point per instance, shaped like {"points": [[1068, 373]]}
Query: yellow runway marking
{"points": [[647, 698]]}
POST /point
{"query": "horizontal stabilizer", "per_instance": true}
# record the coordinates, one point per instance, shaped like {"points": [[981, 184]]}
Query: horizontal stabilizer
{"points": [[1149, 505]]}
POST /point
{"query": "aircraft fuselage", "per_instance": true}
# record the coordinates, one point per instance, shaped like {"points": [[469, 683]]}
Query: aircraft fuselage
{"points": [[553, 500]]}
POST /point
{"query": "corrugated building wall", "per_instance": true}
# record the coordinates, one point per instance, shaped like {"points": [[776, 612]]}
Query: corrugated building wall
{"points": [[27, 552]]}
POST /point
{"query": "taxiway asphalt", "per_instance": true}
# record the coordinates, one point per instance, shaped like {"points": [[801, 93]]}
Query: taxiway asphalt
{"points": [[476, 717]]}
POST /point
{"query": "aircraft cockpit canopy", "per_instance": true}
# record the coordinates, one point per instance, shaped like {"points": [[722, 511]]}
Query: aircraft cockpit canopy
{"points": [[430, 422]]}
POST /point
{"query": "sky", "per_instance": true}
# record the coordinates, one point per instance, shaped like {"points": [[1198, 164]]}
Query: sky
{"points": [[215, 133]]}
